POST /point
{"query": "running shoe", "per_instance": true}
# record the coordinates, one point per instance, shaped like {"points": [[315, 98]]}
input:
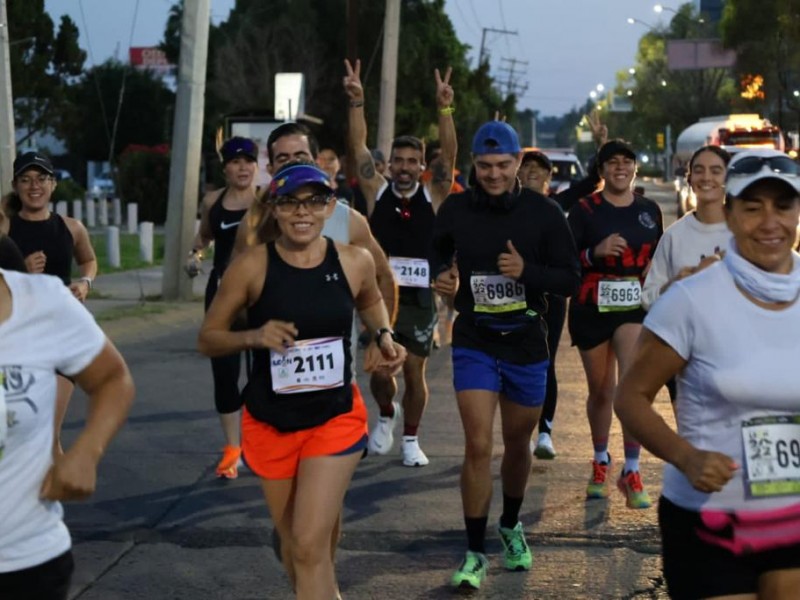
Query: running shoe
{"points": [[472, 571], [544, 447], [413, 456], [228, 466], [381, 438], [517, 555], [598, 484], [630, 484]]}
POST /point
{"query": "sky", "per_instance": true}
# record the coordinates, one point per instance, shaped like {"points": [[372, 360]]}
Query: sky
{"points": [[570, 46]]}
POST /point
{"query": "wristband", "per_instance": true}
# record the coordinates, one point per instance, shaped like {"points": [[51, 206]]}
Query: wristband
{"points": [[87, 280], [379, 334], [588, 256], [356, 103], [447, 110]]}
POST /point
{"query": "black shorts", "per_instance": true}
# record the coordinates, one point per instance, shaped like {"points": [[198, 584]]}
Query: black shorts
{"points": [[695, 569], [589, 328], [47, 581], [416, 320]]}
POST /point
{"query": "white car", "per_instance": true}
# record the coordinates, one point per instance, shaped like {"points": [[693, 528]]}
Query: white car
{"points": [[566, 168]]}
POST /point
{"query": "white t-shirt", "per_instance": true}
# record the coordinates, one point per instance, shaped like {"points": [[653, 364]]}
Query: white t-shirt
{"points": [[48, 330], [684, 244], [742, 363]]}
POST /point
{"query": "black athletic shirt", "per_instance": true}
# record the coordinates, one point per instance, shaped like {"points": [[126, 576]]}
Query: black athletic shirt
{"points": [[403, 228], [52, 236], [477, 233], [320, 304], [223, 223], [592, 220], [10, 257]]}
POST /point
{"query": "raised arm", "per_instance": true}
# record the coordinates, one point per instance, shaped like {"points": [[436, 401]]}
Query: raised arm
{"points": [[444, 169], [369, 179]]}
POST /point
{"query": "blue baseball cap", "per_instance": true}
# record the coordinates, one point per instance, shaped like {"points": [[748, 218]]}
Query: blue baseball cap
{"points": [[495, 137], [238, 146], [293, 176]]}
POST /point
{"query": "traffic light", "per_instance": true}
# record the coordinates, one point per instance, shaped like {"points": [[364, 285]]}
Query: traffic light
{"points": [[660, 141]]}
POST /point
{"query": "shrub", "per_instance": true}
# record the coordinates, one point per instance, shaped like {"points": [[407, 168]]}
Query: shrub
{"points": [[144, 179], [69, 190]]}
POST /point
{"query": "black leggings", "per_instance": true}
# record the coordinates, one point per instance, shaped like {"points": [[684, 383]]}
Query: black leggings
{"points": [[556, 312], [226, 369], [47, 581]]}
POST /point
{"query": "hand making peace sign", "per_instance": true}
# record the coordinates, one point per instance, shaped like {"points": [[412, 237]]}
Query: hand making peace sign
{"points": [[352, 81], [444, 92]]}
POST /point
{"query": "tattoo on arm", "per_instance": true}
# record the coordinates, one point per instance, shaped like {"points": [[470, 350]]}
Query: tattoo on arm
{"points": [[367, 169]]}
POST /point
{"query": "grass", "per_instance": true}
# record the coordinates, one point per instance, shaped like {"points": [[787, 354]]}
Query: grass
{"points": [[140, 310], [128, 252]]}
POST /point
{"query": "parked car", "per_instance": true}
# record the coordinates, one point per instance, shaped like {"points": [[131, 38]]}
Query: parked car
{"points": [[103, 185], [566, 168]]}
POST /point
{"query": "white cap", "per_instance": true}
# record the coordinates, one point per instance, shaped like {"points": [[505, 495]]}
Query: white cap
{"points": [[749, 166]]}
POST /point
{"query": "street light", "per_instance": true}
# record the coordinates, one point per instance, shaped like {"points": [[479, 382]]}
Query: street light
{"points": [[632, 21], [659, 8]]}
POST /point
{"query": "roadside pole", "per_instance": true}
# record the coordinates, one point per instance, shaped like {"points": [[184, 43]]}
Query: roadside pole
{"points": [[7, 133], [187, 134], [391, 44]]}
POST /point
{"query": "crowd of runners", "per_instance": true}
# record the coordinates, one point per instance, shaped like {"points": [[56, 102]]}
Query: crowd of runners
{"points": [[303, 270]]}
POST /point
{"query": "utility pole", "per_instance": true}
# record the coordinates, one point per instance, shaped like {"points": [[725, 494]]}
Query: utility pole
{"points": [[352, 30], [187, 134], [511, 84], [391, 44], [7, 134], [483, 40]]}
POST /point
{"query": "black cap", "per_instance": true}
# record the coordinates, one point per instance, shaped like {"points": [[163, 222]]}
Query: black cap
{"points": [[613, 148], [539, 157], [32, 160]]}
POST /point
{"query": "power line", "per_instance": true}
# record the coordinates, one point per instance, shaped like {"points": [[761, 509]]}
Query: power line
{"points": [[503, 22], [475, 14], [96, 80], [464, 17]]}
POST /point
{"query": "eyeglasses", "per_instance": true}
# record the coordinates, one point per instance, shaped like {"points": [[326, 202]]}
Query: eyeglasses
{"points": [[404, 210], [28, 181], [289, 204], [753, 164]]}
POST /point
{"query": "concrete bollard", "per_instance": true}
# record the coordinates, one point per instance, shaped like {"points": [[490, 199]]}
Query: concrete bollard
{"points": [[102, 205], [146, 242], [116, 212], [91, 213], [77, 210], [61, 208], [133, 217], [112, 246], [196, 226]]}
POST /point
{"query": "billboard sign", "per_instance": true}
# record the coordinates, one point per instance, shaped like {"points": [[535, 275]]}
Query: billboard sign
{"points": [[690, 55]]}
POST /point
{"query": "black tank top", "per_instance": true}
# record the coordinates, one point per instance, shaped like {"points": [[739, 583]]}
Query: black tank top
{"points": [[52, 236], [403, 228], [224, 224], [320, 304]]}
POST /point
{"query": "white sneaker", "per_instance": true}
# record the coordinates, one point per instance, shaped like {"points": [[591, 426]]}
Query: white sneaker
{"points": [[381, 438], [544, 447], [413, 456]]}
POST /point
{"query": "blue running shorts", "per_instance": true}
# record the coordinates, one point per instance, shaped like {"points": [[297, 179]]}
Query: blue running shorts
{"points": [[522, 384]]}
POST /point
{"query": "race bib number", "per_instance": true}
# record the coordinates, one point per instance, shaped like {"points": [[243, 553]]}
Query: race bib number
{"points": [[410, 272], [308, 366], [619, 295], [3, 416], [497, 294], [772, 456]]}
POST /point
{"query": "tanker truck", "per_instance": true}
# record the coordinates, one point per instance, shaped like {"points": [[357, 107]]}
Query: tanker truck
{"points": [[731, 132]]}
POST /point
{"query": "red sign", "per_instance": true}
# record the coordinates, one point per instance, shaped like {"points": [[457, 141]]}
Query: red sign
{"points": [[148, 57]]}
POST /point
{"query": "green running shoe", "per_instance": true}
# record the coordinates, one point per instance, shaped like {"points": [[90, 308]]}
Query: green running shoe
{"points": [[636, 496], [598, 484], [517, 555], [472, 571]]}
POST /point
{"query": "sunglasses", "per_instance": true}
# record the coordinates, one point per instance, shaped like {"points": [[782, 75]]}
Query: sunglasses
{"points": [[782, 165], [289, 204]]}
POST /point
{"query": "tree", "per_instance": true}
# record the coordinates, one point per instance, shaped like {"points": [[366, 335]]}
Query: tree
{"points": [[766, 37], [144, 116], [264, 37], [43, 66]]}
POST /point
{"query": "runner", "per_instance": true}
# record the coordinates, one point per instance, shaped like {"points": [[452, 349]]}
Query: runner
{"points": [[10, 256], [220, 215], [730, 507], [302, 435], [616, 232], [697, 239], [513, 247], [49, 242], [44, 329], [401, 214]]}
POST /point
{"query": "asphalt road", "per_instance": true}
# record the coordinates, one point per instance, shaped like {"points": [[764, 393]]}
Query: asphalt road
{"points": [[162, 527]]}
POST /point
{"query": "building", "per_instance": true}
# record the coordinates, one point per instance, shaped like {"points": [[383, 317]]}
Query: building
{"points": [[710, 9]]}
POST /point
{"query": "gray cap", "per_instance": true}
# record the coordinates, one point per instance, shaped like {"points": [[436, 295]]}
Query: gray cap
{"points": [[750, 166]]}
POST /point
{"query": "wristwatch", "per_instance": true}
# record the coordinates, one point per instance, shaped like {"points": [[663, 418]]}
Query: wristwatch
{"points": [[88, 281], [379, 334]]}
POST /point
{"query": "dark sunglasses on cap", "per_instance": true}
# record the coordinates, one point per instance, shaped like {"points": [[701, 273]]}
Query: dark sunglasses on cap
{"points": [[782, 165]]}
